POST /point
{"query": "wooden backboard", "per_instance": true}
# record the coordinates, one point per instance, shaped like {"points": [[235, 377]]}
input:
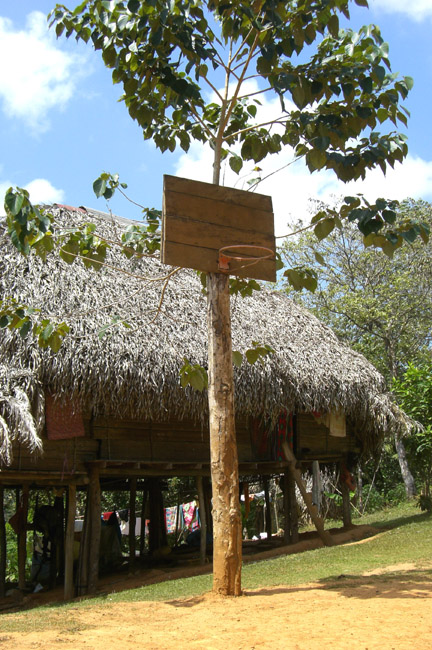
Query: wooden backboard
{"points": [[199, 219]]}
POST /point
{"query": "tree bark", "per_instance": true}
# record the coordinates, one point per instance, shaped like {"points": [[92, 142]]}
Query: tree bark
{"points": [[227, 549], [408, 479]]}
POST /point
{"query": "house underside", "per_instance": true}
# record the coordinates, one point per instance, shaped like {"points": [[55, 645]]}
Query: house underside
{"points": [[98, 454]]}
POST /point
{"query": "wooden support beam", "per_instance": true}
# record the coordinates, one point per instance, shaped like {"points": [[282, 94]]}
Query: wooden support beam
{"points": [[291, 533], [39, 479], [95, 527], [69, 590], [346, 500], [316, 484], [268, 521], [132, 522], [22, 537], [307, 496], [143, 520], [157, 528], [203, 519], [82, 575], [2, 545]]}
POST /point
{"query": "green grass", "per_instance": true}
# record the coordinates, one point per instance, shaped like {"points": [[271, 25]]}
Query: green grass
{"points": [[405, 536]]}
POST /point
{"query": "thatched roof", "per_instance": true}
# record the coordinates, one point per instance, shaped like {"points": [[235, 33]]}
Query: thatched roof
{"points": [[135, 372]]}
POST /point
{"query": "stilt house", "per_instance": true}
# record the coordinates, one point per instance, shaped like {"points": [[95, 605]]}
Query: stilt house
{"points": [[109, 408]]}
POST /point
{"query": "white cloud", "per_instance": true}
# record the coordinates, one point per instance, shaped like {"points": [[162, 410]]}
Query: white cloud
{"points": [[294, 187], [41, 191], [416, 9], [35, 75]]}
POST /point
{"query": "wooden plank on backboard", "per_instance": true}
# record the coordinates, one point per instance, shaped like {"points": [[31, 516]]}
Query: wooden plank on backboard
{"points": [[189, 231], [217, 212], [207, 260], [218, 193], [199, 219]]}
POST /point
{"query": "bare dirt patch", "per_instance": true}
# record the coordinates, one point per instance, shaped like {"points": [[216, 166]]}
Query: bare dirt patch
{"points": [[390, 609]]}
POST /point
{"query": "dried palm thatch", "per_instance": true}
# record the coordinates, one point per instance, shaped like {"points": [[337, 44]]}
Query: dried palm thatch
{"points": [[134, 372]]}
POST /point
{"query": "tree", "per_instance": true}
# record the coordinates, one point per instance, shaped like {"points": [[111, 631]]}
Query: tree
{"points": [[414, 391], [167, 56], [381, 306]]}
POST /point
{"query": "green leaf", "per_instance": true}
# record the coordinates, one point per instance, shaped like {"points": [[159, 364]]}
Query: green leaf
{"points": [[236, 163], [298, 95], [237, 358], [99, 187], [252, 355], [316, 159], [25, 329], [13, 202], [324, 228]]}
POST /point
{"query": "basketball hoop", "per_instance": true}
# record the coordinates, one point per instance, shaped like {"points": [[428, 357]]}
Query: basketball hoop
{"points": [[225, 258]]}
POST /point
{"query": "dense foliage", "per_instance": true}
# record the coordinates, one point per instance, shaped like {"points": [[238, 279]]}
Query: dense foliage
{"points": [[414, 391]]}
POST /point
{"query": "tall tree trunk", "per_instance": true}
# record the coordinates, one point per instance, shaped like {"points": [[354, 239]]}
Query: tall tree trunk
{"points": [[408, 479], [227, 549]]}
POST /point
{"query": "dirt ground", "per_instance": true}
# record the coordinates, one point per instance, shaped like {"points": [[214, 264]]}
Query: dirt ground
{"points": [[389, 609]]}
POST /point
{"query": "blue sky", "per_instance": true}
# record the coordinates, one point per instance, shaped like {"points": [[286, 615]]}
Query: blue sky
{"points": [[61, 122]]}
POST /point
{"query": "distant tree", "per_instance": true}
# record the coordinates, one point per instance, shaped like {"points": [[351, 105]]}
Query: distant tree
{"points": [[382, 306], [414, 392], [184, 67]]}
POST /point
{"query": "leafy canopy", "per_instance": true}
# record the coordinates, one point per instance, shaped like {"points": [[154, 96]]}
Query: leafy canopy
{"points": [[382, 306], [185, 66], [168, 55]]}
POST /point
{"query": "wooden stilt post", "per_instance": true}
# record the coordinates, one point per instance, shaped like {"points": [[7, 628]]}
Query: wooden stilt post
{"points": [[203, 519], [132, 522], [286, 508], [316, 485], [22, 538], [2, 545], [82, 574], [346, 502], [179, 505], [69, 590], [143, 519], [268, 521], [293, 511], [307, 496], [95, 528]]}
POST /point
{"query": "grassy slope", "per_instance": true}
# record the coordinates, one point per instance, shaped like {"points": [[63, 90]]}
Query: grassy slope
{"points": [[406, 537]]}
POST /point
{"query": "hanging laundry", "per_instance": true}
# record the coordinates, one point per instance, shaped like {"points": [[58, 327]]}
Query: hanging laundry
{"points": [[170, 519], [189, 513]]}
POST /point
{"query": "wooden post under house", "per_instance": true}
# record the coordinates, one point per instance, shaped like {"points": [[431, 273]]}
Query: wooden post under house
{"points": [[203, 520], [22, 537], [132, 522], [69, 588], [95, 529], [3, 545]]}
